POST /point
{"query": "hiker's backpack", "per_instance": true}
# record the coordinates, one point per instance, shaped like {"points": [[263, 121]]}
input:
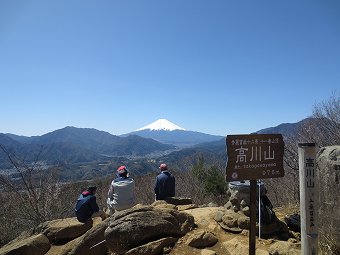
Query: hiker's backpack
{"points": [[267, 213]]}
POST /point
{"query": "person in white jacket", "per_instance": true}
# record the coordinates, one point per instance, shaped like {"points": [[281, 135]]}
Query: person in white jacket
{"points": [[121, 194]]}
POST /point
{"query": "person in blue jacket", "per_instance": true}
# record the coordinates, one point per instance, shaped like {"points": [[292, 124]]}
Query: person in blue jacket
{"points": [[165, 184], [87, 207]]}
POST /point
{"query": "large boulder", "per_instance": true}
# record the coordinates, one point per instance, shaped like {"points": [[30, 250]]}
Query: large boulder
{"points": [[63, 230], [236, 214], [63, 249], [204, 217], [328, 162], [34, 245], [284, 248], [182, 206], [235, 246], [92, 242], [89, 243], [142, 224], [153, 248], [202, 239]]}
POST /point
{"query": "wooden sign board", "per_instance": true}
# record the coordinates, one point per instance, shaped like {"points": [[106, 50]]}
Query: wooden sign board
{"points": [[253, 157]]}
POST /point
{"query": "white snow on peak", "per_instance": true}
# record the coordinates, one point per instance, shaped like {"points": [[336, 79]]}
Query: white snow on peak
{"points": [[161, 124]]}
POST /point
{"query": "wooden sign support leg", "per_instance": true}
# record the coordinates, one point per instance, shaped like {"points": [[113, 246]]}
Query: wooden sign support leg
{"points": [[252, 234]]}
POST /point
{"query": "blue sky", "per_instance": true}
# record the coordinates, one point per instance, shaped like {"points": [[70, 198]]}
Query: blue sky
{"points": [[218, 67]]}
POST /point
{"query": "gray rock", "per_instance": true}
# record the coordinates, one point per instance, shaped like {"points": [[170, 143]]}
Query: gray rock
{"points": [[240, 193], [153, 248], [235, 246], [228, 205], [201, 239], [284, 248], [141, 224], [212, 204], [230, 221], [63, 230], [34, 245], [243, 222], [92, 237], [246, 211], [328, 162], [243, 203], [218, 216], [245, 232]]}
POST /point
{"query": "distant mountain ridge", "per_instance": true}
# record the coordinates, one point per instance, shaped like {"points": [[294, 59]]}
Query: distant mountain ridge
{"points": [[215, 151], [178, 138], [77, 145], [74, 145], [286, 129], [167, 132]]}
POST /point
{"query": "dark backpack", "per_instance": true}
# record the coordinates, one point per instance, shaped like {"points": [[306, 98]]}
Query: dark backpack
{"points": [[293, 222], [267, 213]]}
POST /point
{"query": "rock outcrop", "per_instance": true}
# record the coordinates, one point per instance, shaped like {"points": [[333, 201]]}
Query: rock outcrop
{"points": [[156, 229], [142, 224], [153, 248], [64, 230], [87, 244], [236, 246], [201, 239], [328, 162], [281, 247], [234, 217], [34, 245]]}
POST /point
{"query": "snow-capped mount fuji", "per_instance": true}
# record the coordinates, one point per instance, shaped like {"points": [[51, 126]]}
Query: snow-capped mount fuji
{"points": [[161, 124], [167, 132]]}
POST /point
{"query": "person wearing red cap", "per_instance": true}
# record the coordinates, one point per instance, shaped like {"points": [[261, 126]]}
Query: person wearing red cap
{"points": [[121, 194], [165, 183]]}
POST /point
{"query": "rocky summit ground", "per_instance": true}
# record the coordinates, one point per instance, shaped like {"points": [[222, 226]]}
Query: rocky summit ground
{"points": [[150, 230], [229, 243]]}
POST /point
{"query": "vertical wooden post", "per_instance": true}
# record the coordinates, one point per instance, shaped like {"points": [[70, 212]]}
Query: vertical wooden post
{"points": [[252, 234], [308, 198], [259, 210]]}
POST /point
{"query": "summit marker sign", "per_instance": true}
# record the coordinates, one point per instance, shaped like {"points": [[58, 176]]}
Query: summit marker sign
{"points": [[253, 157]]}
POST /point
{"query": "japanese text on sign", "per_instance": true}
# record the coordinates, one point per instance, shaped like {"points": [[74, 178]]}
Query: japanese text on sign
{"points": [[260, 154], [310, 175]]}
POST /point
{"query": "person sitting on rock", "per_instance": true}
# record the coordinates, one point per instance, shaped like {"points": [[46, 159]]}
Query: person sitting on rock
{"points": [[87, 207], [165, 184], [121, 194]]}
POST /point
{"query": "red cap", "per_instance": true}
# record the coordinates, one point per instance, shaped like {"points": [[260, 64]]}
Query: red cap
{"points": [[163, 167], [121, 170]]}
